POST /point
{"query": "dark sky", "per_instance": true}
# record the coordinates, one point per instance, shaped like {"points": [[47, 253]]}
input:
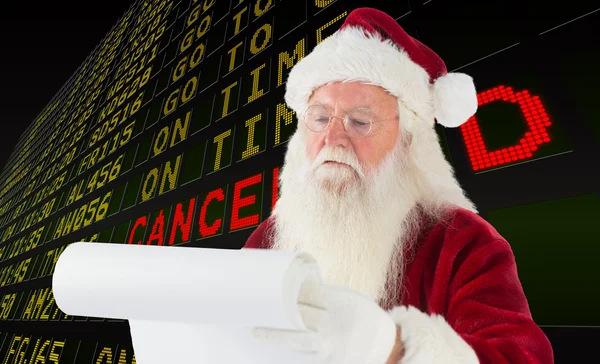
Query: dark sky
{"points": [[41, 44]]}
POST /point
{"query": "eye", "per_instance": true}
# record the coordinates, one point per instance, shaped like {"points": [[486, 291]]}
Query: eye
{"points": [[317, 114], [359, 122]]}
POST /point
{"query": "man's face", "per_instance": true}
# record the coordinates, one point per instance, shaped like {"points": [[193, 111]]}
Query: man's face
{"points": [[351, 211], [341, 98]]}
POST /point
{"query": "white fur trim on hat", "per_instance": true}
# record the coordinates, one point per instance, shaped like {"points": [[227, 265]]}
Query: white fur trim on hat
{"points": [[350, 54], [455, 99], [430, 339]]}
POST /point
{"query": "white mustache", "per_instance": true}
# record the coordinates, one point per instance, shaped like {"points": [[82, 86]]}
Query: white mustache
{"points": [[339, 155]]}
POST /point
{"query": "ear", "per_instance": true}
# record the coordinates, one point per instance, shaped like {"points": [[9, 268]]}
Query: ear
{"points": [[407, 140], [405, 136]]}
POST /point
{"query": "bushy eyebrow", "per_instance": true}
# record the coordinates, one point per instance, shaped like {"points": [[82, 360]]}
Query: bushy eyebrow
{"points": [[364, 108]]}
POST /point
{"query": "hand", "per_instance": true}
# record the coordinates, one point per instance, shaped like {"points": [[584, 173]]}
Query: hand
{"points": [[343, 327]]}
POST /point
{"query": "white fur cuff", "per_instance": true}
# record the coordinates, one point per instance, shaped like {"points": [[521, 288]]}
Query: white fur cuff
{"points": [[430, 339]]}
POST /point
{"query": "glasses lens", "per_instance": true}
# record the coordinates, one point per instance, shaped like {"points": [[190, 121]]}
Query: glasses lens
{"points": [[317, 118], [359, 123]]}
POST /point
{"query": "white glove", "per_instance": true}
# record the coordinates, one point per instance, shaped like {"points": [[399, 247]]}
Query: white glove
{"points": [[345, 327]]}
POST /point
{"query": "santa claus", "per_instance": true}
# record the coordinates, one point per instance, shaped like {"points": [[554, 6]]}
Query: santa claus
{"points": [[413, 274]]}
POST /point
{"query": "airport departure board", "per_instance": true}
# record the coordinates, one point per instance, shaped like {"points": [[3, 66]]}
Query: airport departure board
{"points": [[172, 133]]}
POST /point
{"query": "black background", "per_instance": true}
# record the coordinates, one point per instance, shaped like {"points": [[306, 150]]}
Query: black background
{"points": [[41, 45]]}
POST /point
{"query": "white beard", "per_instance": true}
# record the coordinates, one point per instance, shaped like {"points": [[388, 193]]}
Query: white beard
{"points": [[355, 232]]}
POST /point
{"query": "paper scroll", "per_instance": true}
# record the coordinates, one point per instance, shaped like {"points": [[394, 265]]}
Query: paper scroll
{"points": [[187, 305]]}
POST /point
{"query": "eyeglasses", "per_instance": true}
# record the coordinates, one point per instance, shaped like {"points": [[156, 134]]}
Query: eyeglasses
{"points": [[358, 123]]}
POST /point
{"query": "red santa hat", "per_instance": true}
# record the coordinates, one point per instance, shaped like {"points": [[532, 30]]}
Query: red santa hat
{"points": [[371, 47]]}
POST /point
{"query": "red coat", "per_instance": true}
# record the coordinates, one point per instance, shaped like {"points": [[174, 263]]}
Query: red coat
{"points": [[465, 271]]}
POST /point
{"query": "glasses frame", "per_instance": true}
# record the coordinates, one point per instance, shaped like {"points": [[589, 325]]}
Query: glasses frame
{"points": [[345, 121]]}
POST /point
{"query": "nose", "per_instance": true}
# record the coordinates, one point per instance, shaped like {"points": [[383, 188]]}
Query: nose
{"points": [[336, 135]]}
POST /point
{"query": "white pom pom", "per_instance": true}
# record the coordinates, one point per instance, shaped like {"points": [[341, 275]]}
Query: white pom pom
{"points": [[455, 99]]}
